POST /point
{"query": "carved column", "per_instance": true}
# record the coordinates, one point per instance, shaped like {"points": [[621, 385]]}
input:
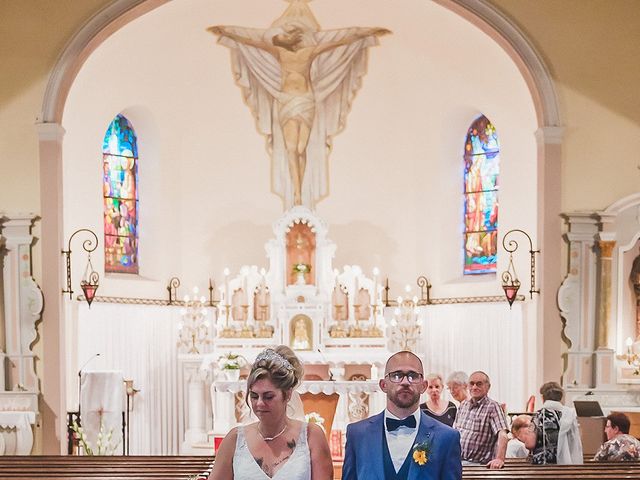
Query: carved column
{"points": [[605, 376], [635, 281], [54, 399], [577, 300], [605, 248], [23, 304]]}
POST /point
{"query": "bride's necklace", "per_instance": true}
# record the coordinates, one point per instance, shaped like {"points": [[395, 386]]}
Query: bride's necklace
{"points": [[269, 439]]}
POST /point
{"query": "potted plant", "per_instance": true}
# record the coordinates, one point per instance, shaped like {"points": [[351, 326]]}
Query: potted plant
{"points": [[230, 364]]}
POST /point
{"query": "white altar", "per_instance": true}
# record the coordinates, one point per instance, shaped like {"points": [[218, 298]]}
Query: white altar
{"points": [[337, 324]]}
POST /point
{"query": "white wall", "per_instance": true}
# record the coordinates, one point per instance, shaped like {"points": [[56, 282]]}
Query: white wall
{"points": [[395, 172]]}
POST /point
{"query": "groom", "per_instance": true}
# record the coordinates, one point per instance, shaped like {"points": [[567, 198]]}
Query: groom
{"points": [[402, 443]]}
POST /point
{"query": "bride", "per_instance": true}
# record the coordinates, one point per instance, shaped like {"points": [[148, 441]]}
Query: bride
{"points": [[277, 446]]}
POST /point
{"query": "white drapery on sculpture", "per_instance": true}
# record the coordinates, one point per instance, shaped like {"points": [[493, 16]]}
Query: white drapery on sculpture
{"points": [[335, 77]]}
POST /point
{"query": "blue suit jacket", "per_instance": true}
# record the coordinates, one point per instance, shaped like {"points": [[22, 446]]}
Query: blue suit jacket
{"points": [[363, 452]]}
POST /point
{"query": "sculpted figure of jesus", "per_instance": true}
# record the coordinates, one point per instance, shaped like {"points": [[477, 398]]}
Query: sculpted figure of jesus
{"points": [[301, 89]]}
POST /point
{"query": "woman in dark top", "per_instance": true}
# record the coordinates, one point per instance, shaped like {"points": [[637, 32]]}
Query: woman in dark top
{"points": [[435, 406]]}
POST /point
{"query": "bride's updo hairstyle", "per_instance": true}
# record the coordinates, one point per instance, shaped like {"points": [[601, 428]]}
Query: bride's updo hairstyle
{"points": [[280, 365]]}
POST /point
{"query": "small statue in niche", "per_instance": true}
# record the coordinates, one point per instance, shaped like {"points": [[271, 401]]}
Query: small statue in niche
{"points": [[301, 339]]}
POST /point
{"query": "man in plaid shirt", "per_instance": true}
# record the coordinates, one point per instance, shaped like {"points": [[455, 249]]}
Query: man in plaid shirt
{"points": [[482, 425]]}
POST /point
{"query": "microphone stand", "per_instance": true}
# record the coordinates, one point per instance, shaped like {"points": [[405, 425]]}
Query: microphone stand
{"points": [[331, 379]]}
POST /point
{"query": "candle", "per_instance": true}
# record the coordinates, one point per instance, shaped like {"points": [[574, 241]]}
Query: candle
{"points": [[226, 284], [376, 272], [245, 290], [357, 287]]}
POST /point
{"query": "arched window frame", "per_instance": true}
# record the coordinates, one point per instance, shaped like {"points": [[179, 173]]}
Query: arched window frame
{"points": [[120, 193], [481, 174]]}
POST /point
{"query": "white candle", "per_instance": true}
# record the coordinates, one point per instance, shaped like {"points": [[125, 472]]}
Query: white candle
{"points": [[226, 284], [376, 272], [357, 288], [245, 290]]}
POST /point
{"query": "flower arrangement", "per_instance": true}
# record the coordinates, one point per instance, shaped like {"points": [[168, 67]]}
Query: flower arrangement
{"points": [[104, 444], [301, 268], [421, 453], [231, 361], [314, 417]]}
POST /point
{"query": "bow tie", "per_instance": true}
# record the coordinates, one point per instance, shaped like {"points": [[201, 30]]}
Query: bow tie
{"points": [[392, 424]]}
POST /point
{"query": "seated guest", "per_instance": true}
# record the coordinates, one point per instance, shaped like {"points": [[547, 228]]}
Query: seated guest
{"points": [[482, 425], [620, 446], [458, 385], [523, 431], [515, 447], [435, 406]]}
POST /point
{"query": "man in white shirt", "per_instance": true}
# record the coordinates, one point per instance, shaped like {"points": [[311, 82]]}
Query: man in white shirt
{"points": [[402, 443]]}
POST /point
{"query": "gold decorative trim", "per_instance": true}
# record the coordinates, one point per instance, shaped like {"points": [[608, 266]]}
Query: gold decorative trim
{"points": [[180, 303], [488, 299], [134, 301]]}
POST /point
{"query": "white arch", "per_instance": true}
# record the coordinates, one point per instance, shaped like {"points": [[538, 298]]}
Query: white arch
{"points": [[117, 14]]}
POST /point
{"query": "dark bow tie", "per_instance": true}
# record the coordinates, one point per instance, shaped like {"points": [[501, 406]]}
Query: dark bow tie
{"points": [[392, 424]]}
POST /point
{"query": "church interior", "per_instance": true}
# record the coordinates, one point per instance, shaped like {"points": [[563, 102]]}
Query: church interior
{"points": [[170, 206]]}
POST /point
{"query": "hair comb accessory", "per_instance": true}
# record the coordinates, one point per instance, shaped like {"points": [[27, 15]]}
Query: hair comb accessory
{"points": [[270, 354]]}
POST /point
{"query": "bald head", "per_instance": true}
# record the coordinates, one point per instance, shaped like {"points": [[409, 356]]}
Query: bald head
{"points": [[484, 376], [403, 357]]}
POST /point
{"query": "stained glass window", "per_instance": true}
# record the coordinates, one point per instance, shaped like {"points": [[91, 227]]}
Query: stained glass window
{"points": [[481, 169], [120, 183]]}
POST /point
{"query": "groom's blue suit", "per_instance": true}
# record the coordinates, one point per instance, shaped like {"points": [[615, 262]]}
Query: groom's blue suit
{"points": [[366, 459]]}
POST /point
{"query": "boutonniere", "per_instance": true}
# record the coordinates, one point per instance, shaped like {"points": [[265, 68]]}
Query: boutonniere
{"points": [[421, 453]]}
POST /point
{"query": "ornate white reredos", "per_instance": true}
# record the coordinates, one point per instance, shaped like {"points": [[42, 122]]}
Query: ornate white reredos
{"points": [[311, 301]]}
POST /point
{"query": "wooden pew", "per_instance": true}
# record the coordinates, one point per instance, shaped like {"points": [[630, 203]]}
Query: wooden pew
{"points": [[99, 468], [523, 470]]}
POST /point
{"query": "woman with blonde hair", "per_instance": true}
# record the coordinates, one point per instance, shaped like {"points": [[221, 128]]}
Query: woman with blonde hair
{"points": [[435, 406], [276, 446]]}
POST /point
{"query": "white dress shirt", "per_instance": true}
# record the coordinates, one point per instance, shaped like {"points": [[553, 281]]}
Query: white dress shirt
{"points": [[400, 440]]}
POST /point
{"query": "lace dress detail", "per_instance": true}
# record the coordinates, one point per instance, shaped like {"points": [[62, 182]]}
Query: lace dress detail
{"points": [[297, 467]]}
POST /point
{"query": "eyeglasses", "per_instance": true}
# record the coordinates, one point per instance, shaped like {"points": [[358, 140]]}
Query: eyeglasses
{"points": [[398, 376], [478, 383]]}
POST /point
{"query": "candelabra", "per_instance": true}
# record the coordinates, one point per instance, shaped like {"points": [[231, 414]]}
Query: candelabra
{"points": [[406, 325], [632, 358], [193, 329]]}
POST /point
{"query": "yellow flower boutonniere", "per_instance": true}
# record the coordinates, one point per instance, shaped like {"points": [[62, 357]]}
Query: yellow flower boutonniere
{"points": [[421, 453]]}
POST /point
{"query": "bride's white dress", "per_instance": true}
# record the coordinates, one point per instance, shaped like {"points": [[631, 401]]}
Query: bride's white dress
{"points": [[297, 467]]}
